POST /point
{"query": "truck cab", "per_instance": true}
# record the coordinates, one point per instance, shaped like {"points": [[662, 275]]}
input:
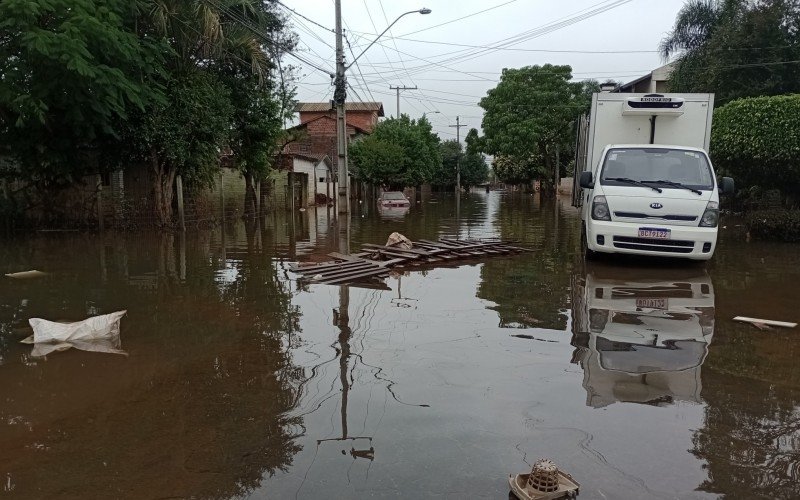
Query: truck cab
{"points": [[654, 198]]}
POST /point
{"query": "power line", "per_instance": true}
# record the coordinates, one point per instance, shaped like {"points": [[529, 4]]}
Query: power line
{"points": [[394, 42], [468, 54], [460, 18], [304, 17], [359, 69], [265, 38]]}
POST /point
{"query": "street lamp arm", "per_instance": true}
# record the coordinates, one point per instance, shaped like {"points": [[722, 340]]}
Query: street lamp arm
{"points": [[419, 11]]}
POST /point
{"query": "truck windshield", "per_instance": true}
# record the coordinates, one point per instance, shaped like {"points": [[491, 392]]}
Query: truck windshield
{"points": [[661, 167]]}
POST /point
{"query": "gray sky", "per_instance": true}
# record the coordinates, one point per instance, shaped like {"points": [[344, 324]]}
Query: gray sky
{"points": [[619, 42]]}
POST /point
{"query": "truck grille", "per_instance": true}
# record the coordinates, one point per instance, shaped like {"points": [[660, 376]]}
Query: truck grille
{"points": [[637, 215], [653, 245]]}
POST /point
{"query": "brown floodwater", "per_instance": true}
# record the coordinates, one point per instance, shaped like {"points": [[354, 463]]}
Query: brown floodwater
{"points": [[240, 381]]}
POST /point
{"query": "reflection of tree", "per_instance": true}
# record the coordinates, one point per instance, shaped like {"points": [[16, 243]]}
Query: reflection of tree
{"points": [[751, 382], [532, 290], [198, 409], [751, 437]]}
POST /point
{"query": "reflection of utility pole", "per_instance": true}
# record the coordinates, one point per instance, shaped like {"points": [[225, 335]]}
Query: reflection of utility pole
{"points": [[342, 320], [458, 126], [398, 89], [339, 96]]}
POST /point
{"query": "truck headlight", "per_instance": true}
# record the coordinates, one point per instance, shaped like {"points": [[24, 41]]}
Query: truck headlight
{"points": [[600, 209], [710, 217]]}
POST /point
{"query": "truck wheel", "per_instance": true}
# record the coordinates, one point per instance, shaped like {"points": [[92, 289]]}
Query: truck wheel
{"points": [[588, 254]]}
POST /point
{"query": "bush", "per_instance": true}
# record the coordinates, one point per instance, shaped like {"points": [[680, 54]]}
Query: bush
{"points": [[757, 142], [775, 224]]}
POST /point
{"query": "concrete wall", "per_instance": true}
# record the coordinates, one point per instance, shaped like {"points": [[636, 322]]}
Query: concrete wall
{"points": [[307, 168]]}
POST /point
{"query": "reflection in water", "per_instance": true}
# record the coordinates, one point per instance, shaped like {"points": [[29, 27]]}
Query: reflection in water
{"points": [[242, 382], [641, 335], [199, 408]]}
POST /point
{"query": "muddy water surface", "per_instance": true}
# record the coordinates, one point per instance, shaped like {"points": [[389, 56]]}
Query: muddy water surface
{"points": [[239, 381]]}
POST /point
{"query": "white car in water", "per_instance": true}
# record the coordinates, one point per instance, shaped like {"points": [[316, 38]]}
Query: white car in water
{"points": [[393, 199]]}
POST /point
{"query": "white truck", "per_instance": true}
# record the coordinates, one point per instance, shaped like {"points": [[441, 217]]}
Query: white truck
{"points": [[643, 176]]}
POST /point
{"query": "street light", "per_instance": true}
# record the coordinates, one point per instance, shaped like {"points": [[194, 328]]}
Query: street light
{"points": [[423, 11], [339, 97]]}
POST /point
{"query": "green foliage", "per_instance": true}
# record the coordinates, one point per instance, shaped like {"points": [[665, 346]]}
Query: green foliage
{"points": [[187, 132], [473, 166], [445, 174], [474, 170], [257, 124], [400, 152], [528, 115], [519, 170], [757, 141], [775, 224], [90, 85], [735, 48], [71, 71]]}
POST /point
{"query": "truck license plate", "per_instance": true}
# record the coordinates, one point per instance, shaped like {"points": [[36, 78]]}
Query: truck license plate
{"points": [[652, 303], [655, 233]]}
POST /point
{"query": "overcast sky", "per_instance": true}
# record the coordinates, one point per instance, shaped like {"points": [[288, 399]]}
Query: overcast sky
{"points": [[452, 54]]}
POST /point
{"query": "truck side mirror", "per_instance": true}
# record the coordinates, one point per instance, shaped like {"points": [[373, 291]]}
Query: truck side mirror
{"points": [[726, 185], [586, 180]]}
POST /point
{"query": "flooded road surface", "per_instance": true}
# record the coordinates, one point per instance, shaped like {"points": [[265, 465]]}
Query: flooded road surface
{"points": [[241, 382]]}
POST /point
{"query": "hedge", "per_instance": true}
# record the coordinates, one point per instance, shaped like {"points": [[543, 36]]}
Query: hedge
{"points": [[774, 224], [757, 142]]}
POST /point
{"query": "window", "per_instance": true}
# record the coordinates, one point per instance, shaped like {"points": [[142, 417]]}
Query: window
{"points": [[686, 167], [322, 179]]}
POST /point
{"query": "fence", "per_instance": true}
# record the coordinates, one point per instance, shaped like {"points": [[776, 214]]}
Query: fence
{"points": [[124, 200]]}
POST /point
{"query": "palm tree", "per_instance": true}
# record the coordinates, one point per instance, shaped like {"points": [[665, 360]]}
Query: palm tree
{"points": [[694, 25], [227, 44]]}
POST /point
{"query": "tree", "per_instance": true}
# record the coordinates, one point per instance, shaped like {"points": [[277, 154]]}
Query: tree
{"points": [[474, 170], [221, 44], [183, 136], [445, 173], [400, 152], [259, 112], [528, 116], [735, 48], [71, 72]]}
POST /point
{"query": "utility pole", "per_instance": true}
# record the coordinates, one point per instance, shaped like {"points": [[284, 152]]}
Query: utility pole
{"points": [[398, 89], [458, 126], [339, 96]]}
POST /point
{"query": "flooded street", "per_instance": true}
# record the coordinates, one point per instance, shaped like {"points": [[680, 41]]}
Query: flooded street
{"points": [[240, 381]]}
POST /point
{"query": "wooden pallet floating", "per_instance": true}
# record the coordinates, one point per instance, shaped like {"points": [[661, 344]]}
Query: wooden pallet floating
{"points": [[377, 261]]}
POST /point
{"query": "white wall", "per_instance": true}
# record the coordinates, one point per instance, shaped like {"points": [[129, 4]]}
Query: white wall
{"points": [[303, 166]]}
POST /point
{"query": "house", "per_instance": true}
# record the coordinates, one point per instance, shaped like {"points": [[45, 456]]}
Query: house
{"points": [[363, 115], [655, 82], [300, 179], [311, 155]]}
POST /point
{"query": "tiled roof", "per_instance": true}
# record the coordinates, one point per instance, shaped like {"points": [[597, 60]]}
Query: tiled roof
{"points": [[324, 117], [321, 107]]}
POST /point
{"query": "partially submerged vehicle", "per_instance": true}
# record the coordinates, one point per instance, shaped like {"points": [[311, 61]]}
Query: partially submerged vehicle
{"points": [[391, 199], [643, 176]]}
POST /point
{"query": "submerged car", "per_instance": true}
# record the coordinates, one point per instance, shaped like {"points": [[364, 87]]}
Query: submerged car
{"points": [[393, 199]]}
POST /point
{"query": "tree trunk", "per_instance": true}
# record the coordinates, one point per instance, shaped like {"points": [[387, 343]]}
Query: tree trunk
{"points": [[249, 196], [163, 189]]}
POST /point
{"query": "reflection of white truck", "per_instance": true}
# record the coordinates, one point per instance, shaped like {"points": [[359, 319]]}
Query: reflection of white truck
{"points": [[641, 336], [643, 176]]}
